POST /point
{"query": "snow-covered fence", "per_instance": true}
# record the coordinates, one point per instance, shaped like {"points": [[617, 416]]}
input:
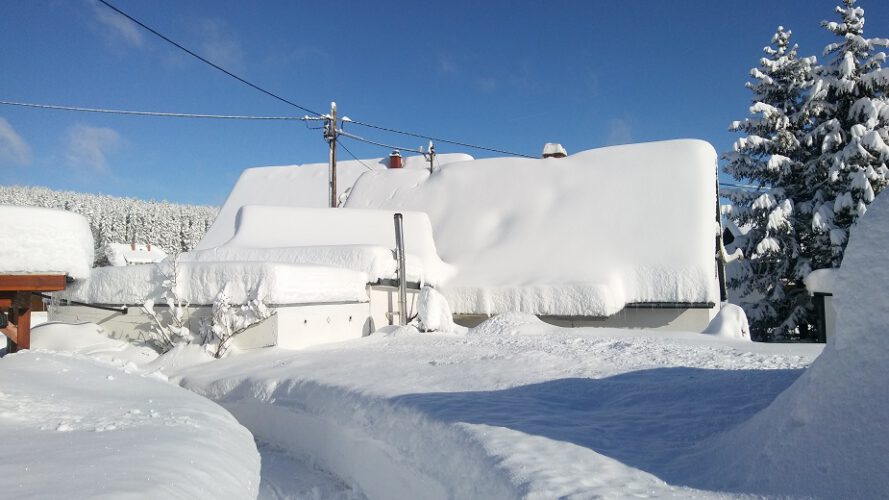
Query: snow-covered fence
{"points": [[175, 228]]}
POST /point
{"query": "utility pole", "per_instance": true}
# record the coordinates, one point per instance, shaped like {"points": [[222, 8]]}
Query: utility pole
{"points": [[330, 133], [431, 156]]}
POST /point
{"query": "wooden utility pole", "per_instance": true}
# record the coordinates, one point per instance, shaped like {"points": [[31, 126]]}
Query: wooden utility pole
{"points": [[431, 155], [330, 133]]}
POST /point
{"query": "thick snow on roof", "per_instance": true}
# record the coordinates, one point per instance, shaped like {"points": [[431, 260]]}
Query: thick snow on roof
{"points": [[360, 240], [833, 418], [298, 186], [582, 235], [200, 282], [41, 240], [126, 254]]}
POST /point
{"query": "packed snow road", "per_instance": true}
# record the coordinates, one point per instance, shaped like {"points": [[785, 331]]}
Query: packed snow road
{"points": [[513, 408]]}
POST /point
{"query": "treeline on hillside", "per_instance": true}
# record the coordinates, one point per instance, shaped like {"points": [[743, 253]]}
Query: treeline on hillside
{"points": [[174, 227]]}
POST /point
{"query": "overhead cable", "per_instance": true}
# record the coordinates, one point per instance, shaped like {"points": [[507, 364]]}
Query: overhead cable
{"points": [[355, 157], [148, 113], [381, 144], [438, 139], [202, 59]]}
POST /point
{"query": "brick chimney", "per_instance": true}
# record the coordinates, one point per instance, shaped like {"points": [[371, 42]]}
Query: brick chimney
{"points": [[395, 159]]}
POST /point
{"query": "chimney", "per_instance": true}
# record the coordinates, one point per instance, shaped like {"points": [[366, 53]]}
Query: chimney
{"points": [[554, 150], [395, 159]]}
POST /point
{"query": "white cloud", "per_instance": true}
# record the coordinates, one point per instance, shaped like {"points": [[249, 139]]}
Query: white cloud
{"points": [[88, 147], [117, 27], [13, 149], [220, 46], [619, 132]]}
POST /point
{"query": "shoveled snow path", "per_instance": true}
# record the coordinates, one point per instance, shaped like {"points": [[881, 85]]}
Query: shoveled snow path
{"points": [[515, 408]]}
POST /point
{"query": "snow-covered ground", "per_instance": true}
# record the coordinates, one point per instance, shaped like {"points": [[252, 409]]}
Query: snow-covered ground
{"points": [[513, 408]]}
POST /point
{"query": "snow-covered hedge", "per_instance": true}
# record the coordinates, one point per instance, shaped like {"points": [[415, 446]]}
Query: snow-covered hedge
{"points": [[175, 228]]}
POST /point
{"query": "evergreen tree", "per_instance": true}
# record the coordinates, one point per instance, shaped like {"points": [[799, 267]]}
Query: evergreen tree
{"points": [[851, 130], [817, 146], [772, 156]]}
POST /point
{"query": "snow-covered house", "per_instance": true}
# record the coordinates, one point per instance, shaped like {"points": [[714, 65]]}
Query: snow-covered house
{"points": [[618, 236], [329, 274], [130, 254]]}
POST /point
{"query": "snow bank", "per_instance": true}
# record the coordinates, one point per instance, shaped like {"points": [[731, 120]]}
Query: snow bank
{"points": [[200, 282], [582, 235], [89, 339], [298, 186], [75, 427], [826, 436], [730, 322], [360, 240], [41, 240]]}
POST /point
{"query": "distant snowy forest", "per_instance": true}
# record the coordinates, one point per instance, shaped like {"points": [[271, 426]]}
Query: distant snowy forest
{"points": [[174, 227]]}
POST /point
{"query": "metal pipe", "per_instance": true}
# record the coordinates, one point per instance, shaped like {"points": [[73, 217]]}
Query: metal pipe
{"points": [[402, 276]]}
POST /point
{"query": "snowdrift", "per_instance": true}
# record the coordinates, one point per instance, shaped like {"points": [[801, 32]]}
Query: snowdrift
{"points": [[297, 186], [76, 427], [825, 436], [42, 240], [579, 236]]}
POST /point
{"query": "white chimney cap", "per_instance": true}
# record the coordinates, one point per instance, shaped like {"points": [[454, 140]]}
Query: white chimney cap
{"points": [[554, 150]]}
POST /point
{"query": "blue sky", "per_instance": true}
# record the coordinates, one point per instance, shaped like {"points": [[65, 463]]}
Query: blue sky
{"points": [[510, 75]]}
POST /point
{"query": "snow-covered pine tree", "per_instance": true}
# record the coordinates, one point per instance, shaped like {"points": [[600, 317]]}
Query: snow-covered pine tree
{"points": [[850, 135], [771, 156]]}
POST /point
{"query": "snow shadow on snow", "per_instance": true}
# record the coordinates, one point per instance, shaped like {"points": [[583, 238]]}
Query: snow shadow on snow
{"points": [[642, 418]]}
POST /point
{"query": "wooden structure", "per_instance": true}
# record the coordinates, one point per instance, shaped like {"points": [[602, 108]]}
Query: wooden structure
{"points": [[15, 298]]}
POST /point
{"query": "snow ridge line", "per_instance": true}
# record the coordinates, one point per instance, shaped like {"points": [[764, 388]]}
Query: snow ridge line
{"points": [[380, 448]]}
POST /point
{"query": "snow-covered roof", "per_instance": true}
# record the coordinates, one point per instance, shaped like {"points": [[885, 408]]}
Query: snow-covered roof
{"points": [[298, 186], [199, 282], [42, 240], [359, 240], [582, 236], [127, 254]]}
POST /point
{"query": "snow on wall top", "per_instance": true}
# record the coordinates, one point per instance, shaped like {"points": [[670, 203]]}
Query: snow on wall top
{"points": [[298, 186], [359, 240], [41, 240], [582, 235], [200, 282]]}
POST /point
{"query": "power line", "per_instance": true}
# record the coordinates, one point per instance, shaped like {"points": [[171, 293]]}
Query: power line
{"points": [[742, 186], [220, 68], [381, 144], [438, 139], [355, 157], [307, 110], [148, 113]]}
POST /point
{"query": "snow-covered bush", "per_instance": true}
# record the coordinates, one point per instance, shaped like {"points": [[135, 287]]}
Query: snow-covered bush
{"points": [[229, 320], [174, 227], [170, 329]]}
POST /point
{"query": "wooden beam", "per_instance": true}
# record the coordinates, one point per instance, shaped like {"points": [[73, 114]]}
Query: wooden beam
{"points": [[32, 282], [23, 325]]}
